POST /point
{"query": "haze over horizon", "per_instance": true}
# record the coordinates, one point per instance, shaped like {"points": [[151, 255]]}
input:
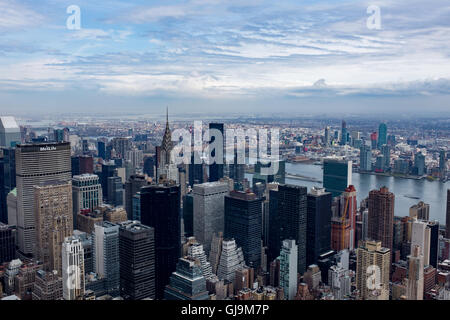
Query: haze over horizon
{"points": [[225, 56]]}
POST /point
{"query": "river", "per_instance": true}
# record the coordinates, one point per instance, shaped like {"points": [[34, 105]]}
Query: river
{"points": [[432, 192]]}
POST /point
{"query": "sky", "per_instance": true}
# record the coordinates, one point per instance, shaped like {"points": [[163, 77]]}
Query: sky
{"points": [[305, 56]]}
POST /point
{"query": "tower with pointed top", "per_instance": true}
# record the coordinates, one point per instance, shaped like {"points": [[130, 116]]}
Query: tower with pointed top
{"points": [[167, 169]]}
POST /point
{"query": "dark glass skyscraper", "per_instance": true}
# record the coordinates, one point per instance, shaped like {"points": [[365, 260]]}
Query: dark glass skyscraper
{"points": [[343, 133], [216, 170], [188, 215], [318, 236], [337, 175], [160, 209], [292, 212], [137, 260], [7, 243], [243, 222]]}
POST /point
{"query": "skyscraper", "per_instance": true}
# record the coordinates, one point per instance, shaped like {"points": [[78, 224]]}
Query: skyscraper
{"points": [[132, 186], [209, 211], [106, 256], [9, 132], [414, 286], [187, 282], [54, 221], [420, 211], [86, 194], [115, 191], [73, 270], [343, 221], [160, 209], [365, 158], [421, 237], [318, 237], [243, 222], [337, 175], [442, 164], [419, 164], [381, 216], [166, 169], [7, 243], [343, 141], [216, 169], [231, 259], [292, 212], [288, 268], [371, 260], [137, 260], [447, 216], [36, 164], [7, 180], [382, 135]]}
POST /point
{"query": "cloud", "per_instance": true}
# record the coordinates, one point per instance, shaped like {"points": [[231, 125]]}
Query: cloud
{"points": [[14, 15]]}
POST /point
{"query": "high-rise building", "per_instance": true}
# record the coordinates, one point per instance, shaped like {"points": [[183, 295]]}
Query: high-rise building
{"points": [[101, 149], [166, 169], [292, 213], [7, 180], [188, 214], [447, 216], [231, 259], [137, 260], [115, 191], [209, 211], [135, 157], [288, 268], [132, 186], [373, 140], [278, 177], [37, 164], [108, 170], [187, 282], [243, 222], [54, 221], [421, 237], [420, 211], [381, 216], [343, 141], [9, 132], [365, 158], [326, 137], [194, 249], [343, 221], [339, 280], [73, 270], [318, 236], [337, 175], [149, 165], [47, 286], [86, 194], [433, 226], [216, 169], [386, 152], [7, 243], [160, 209], [414, 286], [442, 164], [419, 164], [382, 135], [372, 270], [121, 145], [106, 256]]}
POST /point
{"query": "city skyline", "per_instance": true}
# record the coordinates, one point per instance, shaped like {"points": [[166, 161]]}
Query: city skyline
{"points": [[313, 56]]}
